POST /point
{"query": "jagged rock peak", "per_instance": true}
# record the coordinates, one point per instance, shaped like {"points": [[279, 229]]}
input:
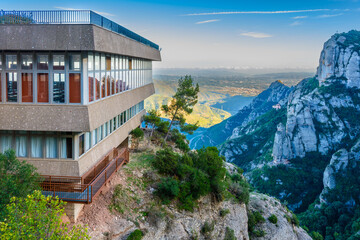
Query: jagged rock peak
{"points": [[340, 60], [276, 84]]}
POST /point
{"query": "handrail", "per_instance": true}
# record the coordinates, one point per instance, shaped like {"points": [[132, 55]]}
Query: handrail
{"points": [[75, 191], [70, 17]]}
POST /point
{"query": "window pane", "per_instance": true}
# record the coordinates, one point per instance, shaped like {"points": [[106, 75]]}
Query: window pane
{"points": [[26, 62], [74, 62], [91, 87], [43, 62], [43, 87], [59, 88], [0, 88], [90, 61], [130, 64], [74, 88], [81, 144], [108, 63], [36, 147], [103, 64], [27, 87], [21, 146], [97, 61], [11, 62], [51, 147], [6, 143], [97, 86], [59, 62], [66, 148], [113, 83], [108, 86], [11, 86], [103, 87]]}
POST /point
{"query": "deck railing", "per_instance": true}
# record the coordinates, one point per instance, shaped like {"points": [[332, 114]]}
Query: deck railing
{"points": [[72, 189], [70, 17]]}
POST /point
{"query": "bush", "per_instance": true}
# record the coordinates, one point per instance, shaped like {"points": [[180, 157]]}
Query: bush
{"points": [[253, 219], [168, 189], [240, 192], [166, 161], [259, 233], [207, 228], [273, 219], [294, 220], [135, 235], [224, 212], [137, 133], [316, 236], [229, 234]]}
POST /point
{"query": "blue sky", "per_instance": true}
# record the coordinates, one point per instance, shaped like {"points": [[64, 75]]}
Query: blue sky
{"points": [[242, 34]]}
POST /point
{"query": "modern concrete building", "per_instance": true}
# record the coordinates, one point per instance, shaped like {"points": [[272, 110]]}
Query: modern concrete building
{"points": [[73, 85]]}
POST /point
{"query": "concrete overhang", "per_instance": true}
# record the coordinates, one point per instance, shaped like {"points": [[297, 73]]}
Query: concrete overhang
{"points": [[71, 37], [69, 118]]}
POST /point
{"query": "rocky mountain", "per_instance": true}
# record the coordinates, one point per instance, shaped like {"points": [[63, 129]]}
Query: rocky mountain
{"points": [[230, 127], [305, 151]]}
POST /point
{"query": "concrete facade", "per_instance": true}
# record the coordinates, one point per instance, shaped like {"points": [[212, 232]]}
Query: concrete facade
{"points": [[71, 37], [62, 167], [69, 118]]}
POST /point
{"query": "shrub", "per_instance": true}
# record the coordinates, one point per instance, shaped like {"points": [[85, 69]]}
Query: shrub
{"points": [[224, 212], [240, 192], [199, 184], [229, 234], [236, 177], [207, 228], [316, 236], [137, 133], [259, 233], [253, 219], [135, 235], [166, 161], [273, 219], [294, 220], [168, 189]]}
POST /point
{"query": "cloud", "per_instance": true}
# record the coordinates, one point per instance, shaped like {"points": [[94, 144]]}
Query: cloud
{"points": [[296, 23], [255, 35], [208, 21], [258, 12], [329, 15], [101, 13], [299, 17]]}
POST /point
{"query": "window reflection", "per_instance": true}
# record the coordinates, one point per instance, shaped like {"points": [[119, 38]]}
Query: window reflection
{"points": [[26, 62], [43, 62], [11, 62], [59, 62], [59, 88]]}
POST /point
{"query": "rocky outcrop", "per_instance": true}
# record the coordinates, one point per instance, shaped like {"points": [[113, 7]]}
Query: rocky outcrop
{"points": [[339, 60], [282, 229]]}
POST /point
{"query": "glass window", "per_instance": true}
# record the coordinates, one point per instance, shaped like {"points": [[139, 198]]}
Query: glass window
{"points": [[90, 61], [51, 147], [26, 61], [108, 85], [97, 61], [106, 129], [111, 124], [21, 146], [43, 87], [11, 62], [91, 87], [75, 62], [27, 87], [11, 86], [103, 63], [112, 63], [6, 143], [0, 87], [130, 64], [116, 59], [103, 87], [94, 137], [75, 88], [66, 148], [0, 62], [36, 146], [113, 83], [59, 88], [59, 62], [43, 62], [81, 144], [97, 86], [87, 141], [114, 123]]}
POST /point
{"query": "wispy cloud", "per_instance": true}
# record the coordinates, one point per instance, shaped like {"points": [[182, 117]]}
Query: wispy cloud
{"points": [[296, 23], [255, 35], [101, 13], [208, 21], [299, 17], [258, 12], [329, 15]]}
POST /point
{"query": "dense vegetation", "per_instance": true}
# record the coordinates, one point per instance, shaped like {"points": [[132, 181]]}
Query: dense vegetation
{"points": [[18, 179], [189, 176], [37, 217], [300, 181]]}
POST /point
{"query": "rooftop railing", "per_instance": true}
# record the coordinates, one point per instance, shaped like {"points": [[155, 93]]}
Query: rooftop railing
{"points": [[70, 17]]}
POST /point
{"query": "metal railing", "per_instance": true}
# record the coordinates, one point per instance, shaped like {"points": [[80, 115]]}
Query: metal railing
{"points": [[73, 189], [70, 17]]}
